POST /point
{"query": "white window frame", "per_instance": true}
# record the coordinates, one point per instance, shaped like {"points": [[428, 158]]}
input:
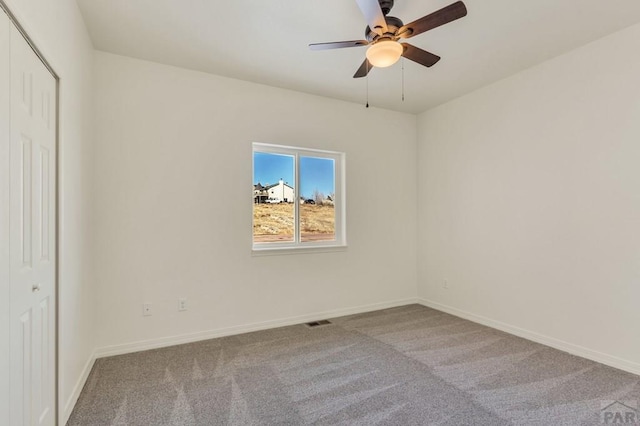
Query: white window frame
{"points": [[339, 202]]}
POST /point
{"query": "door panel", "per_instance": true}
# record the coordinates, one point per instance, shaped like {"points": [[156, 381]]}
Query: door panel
{"points": [[24, 371], [45, 204], [25, 202], [32, 245]]}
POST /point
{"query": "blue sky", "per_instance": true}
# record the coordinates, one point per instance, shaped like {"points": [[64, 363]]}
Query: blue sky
{"points": [[315, 173], [270, 168]]}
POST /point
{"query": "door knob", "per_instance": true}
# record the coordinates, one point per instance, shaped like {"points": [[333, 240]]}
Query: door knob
{"points": [[35, 288]]}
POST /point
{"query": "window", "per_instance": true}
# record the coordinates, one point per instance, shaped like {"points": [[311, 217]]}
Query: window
{"points": [[298, 198]]}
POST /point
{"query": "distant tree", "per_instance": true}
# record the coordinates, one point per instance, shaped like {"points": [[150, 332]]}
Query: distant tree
{"points": [[318, 196]]}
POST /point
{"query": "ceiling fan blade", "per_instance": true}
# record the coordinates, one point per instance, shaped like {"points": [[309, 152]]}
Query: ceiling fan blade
{"points": [[420, 56], [374, 16], [443, 16], [338, 44], [363, 70]]}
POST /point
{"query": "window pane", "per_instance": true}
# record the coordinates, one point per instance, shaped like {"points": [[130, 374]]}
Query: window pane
{"points": [[317, 193], [273, 197]]}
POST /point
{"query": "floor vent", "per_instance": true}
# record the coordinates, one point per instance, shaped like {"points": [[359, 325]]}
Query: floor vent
{"points": [[318, 323]]}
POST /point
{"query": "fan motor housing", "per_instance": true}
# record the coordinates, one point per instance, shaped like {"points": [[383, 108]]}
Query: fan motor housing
{"points": [[386, 6], [393, 25]]}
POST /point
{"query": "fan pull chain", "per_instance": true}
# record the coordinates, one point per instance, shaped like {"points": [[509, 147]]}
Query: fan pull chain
{"points": [[403, 79], [367, 84]]}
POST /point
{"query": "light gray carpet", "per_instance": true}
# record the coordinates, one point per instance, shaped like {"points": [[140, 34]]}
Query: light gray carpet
{"points": [[404, 366]]}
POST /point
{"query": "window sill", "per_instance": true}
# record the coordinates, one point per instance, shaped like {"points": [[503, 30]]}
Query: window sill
{"points": [[278, 251]]}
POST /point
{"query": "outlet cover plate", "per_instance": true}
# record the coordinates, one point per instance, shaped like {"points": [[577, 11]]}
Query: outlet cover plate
{"points": [[147, 309]]}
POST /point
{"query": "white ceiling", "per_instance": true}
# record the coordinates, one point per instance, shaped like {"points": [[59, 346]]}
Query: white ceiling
{"points": [[267, 41]]}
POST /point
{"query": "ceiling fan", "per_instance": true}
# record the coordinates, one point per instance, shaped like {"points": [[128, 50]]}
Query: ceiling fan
{"points": [[383, 32]]}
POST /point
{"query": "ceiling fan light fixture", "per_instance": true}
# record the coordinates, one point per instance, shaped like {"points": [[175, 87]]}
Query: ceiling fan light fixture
{"points": [[384, 53]]}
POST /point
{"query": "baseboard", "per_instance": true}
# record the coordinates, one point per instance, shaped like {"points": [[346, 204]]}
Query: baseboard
{"points": [[602, 358], [77, 389], [246, 328]]}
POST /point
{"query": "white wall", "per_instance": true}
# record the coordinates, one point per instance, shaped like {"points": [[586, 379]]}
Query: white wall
{"points": [[58, 30], [530, 202], [166, 138]]}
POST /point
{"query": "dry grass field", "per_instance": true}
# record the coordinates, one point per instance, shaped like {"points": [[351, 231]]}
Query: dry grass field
{"points": [[274, 222]]}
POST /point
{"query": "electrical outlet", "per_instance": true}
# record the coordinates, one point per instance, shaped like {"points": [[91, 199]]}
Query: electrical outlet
{"points": [[182, 304], [445, 284], [146, 309]]}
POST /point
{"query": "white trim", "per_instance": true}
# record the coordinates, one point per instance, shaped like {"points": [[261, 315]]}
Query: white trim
{"points": [[602, 358], [77, 389], [273, 251], [246, 328], [293, 150]]}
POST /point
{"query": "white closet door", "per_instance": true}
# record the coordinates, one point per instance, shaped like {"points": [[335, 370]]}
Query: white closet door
{"points": [[32, 240], [5, 292]]}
